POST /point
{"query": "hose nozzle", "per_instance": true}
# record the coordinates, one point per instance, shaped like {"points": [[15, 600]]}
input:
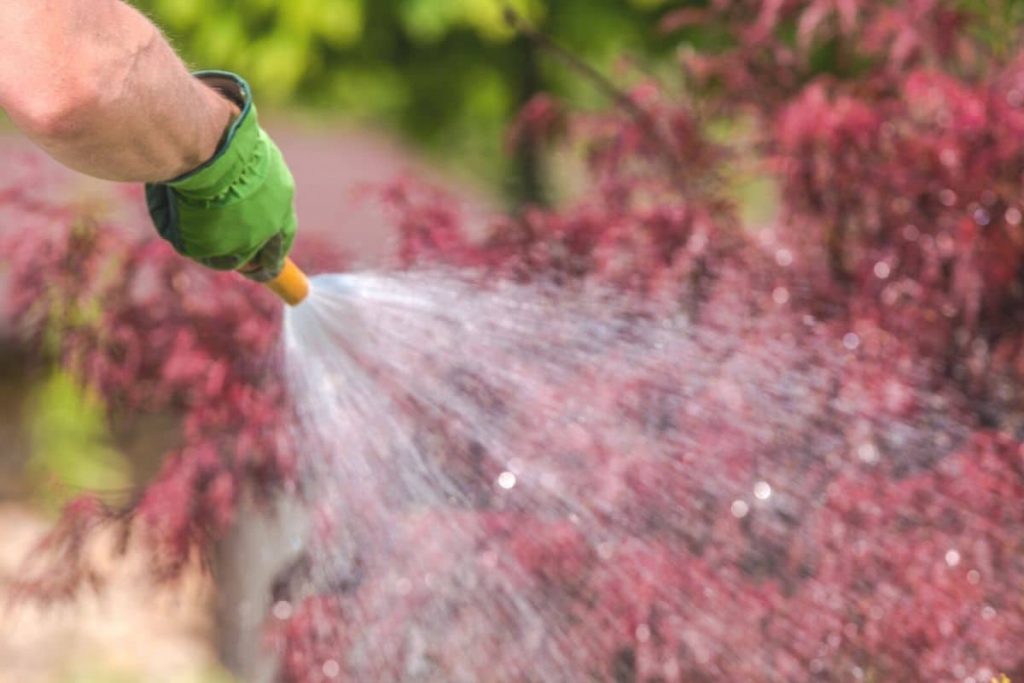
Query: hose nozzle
{"points": [[291, 284]]}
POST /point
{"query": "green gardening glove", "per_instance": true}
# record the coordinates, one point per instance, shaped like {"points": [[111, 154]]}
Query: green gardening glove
{"points": [[236, 211]]}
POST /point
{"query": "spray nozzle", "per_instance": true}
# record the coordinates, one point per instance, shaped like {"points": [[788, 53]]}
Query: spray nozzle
{"points": [[291, 284]]}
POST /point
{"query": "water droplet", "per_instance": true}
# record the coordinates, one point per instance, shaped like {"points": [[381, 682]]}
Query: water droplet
{"points": [[282, 610], [947, 197], [982, 217], [507, 480], [974, 577], [739, 509], [331, 668], [851, 341], [868, 453], [549, 480], [882, 270], [762, 490], [952, 558], [180, 282], [784, 257], [1014, 216], [988, 612], [910, 232], [780, 296], [643, 633]]}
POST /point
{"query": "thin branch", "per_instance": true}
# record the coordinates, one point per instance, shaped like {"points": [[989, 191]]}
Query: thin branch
{"points": [[662, 145]]}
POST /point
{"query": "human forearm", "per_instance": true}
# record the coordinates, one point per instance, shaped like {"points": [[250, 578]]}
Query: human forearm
{"points": [[97, 86]]}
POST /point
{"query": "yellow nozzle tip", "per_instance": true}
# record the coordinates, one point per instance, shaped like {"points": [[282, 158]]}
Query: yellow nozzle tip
{"points": [[291, 284]]}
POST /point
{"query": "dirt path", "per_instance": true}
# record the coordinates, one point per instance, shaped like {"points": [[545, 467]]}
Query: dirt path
{"points": [[131, 633]]}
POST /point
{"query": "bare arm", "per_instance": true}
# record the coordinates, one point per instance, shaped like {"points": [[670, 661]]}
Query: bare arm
{"points": [[98, 87]]}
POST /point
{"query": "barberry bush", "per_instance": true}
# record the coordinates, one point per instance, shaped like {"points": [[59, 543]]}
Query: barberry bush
{"points": [[881, 310]]}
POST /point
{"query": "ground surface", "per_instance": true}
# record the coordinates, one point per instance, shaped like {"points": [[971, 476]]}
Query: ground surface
{"points": [[133, 632]]}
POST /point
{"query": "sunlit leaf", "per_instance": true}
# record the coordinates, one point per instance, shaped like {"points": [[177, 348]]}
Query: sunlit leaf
{"points": [[180, 15], [341, 22], [278, 63], [71, 448]]}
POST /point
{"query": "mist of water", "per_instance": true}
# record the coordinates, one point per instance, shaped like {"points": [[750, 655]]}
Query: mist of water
{"points": [[502, 475]]}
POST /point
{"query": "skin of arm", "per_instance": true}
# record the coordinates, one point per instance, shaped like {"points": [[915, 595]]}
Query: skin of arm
{"points": [[98, 87]]}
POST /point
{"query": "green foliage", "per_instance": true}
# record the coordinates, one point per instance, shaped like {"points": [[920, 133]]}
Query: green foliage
{"points": [[71, 448], [447, 73], [997, 23], [429, 21]]}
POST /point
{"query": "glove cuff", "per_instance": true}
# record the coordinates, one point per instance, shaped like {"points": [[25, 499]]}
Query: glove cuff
{"points": [[216, 176]]}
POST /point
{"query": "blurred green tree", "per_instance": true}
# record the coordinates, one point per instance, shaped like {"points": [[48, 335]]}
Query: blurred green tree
{"points": [[448, 74], [72, 450]]}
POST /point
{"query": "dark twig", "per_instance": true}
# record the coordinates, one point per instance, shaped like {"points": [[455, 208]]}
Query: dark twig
{"points": [[662, 145]]}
